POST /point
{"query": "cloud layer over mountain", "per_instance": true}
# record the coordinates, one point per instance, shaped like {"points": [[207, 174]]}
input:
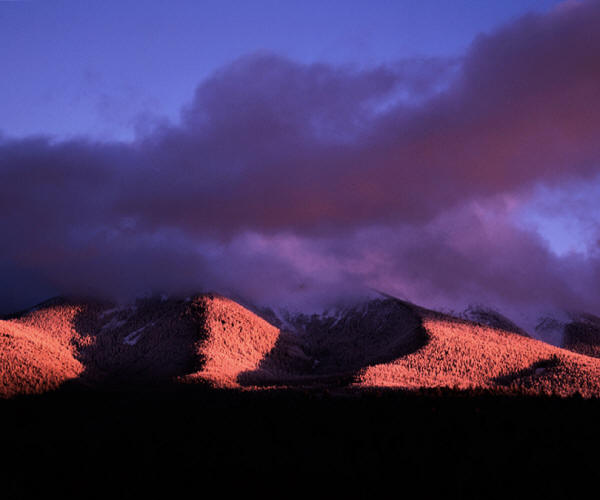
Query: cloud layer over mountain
{"points": [[283, 180]]}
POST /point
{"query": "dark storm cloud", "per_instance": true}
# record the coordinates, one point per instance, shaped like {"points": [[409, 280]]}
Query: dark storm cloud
{"points": [[277, 168], [268, 144]]}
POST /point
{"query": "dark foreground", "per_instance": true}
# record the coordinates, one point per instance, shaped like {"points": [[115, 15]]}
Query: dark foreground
{"points": [[181, 443]]}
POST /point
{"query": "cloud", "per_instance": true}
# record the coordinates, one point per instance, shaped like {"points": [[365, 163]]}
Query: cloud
{"points": [[284, 178]]}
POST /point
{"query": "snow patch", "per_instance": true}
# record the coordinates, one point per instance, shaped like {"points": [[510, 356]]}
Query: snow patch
{"points": [[108, 312], [133, 337], [338, 317], [282, 316], [113, 324], [117, 309]]}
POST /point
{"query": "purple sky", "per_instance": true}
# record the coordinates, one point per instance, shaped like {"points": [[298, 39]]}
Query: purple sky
{"points": [[446, 152], [95, 68]]}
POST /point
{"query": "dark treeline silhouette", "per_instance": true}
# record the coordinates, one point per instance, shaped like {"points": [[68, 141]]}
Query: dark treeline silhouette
{"points": [[166, 440]]}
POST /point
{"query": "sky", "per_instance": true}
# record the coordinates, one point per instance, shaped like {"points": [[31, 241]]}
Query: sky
{"points": [[299, 153], [96, 68]]}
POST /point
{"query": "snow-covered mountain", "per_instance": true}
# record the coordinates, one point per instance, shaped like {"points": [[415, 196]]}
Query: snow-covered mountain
{"points": [[490, 317]]}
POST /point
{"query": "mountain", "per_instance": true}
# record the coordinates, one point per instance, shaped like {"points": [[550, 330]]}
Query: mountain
{"points": [[581, 333], [210, 339], [490, 317]]}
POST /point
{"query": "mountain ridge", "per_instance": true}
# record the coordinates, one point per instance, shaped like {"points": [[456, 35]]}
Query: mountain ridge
{"points": [[211, 339]]}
